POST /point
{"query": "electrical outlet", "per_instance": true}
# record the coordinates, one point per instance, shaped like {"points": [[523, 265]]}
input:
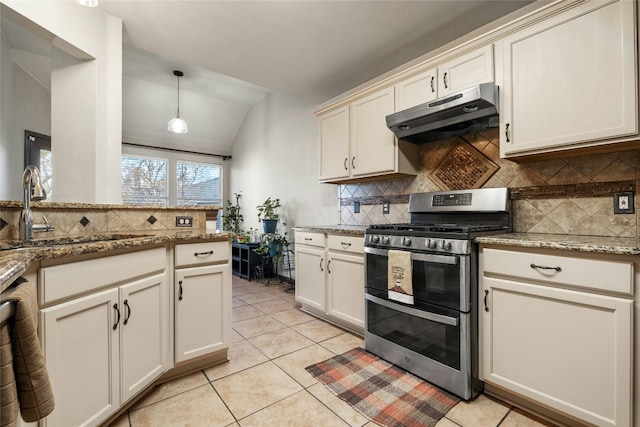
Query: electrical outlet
{"points": [[356, 207], [385, 208], [184, 221], [623, 203]]}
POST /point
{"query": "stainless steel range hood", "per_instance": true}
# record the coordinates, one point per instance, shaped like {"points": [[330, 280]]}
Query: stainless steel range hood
{"points": [[470, 110]]}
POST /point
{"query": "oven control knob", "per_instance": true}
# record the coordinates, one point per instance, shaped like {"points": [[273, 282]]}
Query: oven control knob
{"points": [[385, 240], [432, 243], [374, 239], [406, 241], [445, 245]]}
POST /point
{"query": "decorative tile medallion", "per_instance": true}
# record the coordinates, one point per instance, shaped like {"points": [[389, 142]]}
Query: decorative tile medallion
{"points": [[84, 221], [151, 220], [463, 167]]}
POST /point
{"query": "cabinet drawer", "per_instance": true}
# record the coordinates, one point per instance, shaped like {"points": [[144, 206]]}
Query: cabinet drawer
{"points": [[202, 253], [65, 280], [309, 238], [344, 243], [582, 272]]}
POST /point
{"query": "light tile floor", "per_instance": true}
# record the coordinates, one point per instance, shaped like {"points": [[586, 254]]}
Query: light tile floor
{"points": [[265, 383]]}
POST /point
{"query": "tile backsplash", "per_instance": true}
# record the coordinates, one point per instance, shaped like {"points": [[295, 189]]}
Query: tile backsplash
{"points": [[72, 219], [572, 195]]}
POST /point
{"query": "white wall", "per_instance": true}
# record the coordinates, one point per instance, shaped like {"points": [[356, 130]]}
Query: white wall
{"points": [[86, 96], [276, 154], [148, 106], [26, 104]]}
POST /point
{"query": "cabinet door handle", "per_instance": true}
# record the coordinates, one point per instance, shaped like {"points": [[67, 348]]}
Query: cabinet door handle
{"points": [[445, 81], [345, 163], [506, 132], [486, 294], [321, 261], [353, 162], [433, 89], [115, 325], [329, 267], [203, 253], [127, 312], [180, 291], [544, 267]]}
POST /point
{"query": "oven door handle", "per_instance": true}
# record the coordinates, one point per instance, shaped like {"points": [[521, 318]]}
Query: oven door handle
{"points": [[438, 318], [438, 259]]}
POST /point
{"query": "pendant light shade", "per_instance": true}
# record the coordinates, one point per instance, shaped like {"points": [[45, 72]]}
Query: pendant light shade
{"points": [[177, 125], [88, 3]]}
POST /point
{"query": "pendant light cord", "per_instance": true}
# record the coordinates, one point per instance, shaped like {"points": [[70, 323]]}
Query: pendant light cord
{"points": [[178, 112]]}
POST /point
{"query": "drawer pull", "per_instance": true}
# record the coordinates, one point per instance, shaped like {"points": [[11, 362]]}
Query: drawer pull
{"points": [[544, 267], [203, 253], [345, 244], [115, 325], [486, 294]]}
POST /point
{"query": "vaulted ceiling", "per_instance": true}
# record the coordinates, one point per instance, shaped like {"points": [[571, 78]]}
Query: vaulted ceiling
{"points": [[233, 53]]}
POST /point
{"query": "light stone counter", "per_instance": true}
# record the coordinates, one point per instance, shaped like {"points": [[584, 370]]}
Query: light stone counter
{"points": [[16, 256], [354, 230], [566, 242]]}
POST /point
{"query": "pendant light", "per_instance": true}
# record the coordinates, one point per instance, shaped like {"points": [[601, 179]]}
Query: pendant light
{"points": [[88, 3], [177, 125]]}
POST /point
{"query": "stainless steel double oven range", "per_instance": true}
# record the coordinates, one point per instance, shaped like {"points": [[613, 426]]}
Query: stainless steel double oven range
{"points": [[434, 336]]}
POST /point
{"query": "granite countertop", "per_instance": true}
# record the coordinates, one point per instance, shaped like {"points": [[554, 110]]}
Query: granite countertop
{"points": [[17, 256], [567, 242], [79, 205], [355, 230]]}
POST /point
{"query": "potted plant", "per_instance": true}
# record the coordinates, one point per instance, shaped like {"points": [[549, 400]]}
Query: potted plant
{"points": [[232, 218], [272, 244], [268, 214]]}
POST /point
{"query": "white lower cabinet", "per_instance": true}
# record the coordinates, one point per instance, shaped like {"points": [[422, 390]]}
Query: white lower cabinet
{"points": [[310, 280], [106, 346], [330, 277], [345, 285], [83, 359], [202, 299], [568, 348], [202, 311]]}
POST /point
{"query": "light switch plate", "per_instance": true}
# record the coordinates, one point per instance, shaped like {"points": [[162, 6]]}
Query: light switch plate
{"points": [[385, 208]]}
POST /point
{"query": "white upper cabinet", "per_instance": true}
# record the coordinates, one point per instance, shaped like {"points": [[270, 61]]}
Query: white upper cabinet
{"points": [[460, 73], [334, 144], [465, 71], [570, 80], [356, 143], [373, 145], [417, 90]]}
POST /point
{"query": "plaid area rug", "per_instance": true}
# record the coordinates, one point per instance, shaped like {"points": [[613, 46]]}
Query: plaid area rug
{"points": [[382, 392]]}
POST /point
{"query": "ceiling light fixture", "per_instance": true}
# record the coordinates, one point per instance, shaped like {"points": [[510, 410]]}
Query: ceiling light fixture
{"points": [[177, 125], [88, 3]]}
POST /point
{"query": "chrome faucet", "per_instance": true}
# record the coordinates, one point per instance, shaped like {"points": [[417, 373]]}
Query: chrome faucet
{"points": [[32, 190]]}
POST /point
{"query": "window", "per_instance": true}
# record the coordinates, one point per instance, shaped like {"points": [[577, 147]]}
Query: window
{"points": [[170, 179], [144, 181], [197, 183]]}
